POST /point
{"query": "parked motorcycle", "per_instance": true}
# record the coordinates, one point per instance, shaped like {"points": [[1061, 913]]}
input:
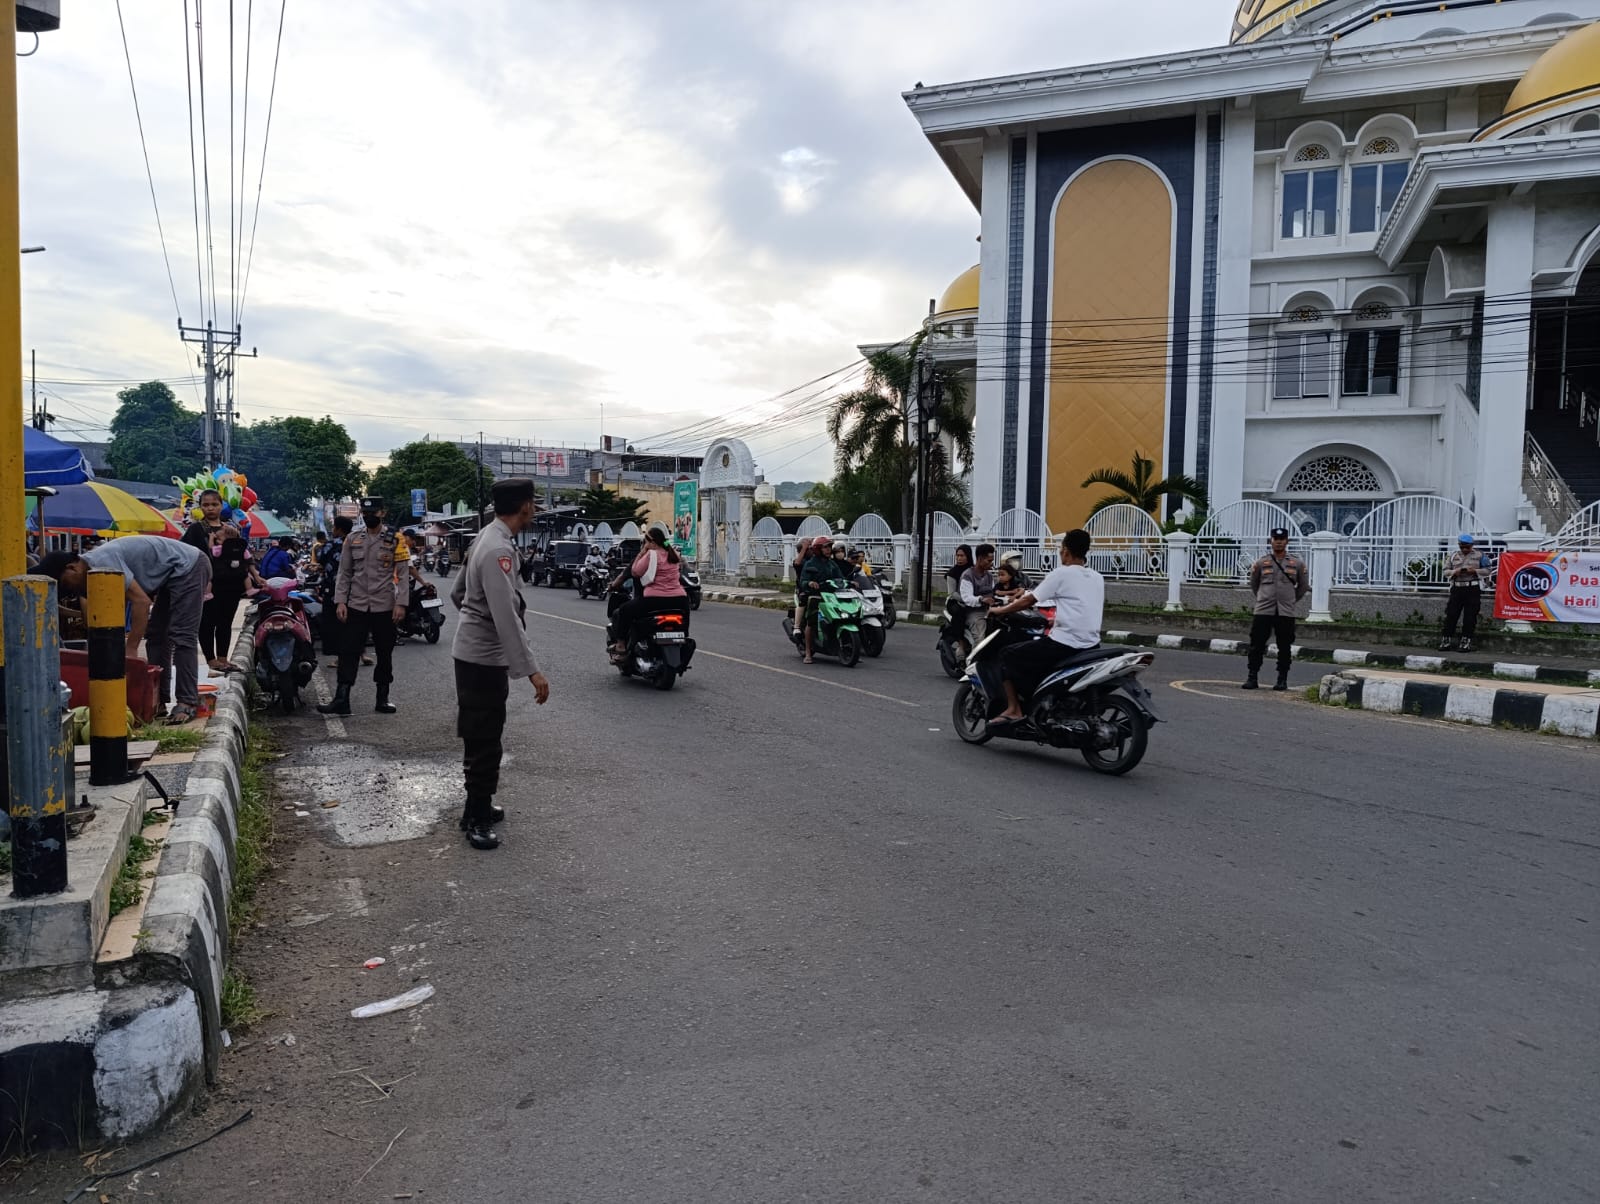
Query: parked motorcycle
{"points": [[285, 655], [424, 614], [838, 627], [592, 581], [1093, 703], [691, 585], [873, 625]]}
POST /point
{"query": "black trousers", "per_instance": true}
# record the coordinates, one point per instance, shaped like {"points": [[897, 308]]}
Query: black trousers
{"points": [[216, 621], [1262, 626], [332, 629], [481, 692], [1027, 664], [380, 623], [623, 616], [1464, 604]]}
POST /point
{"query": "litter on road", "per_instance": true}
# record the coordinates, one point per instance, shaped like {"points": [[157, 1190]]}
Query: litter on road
{"points": [[372, 963], [398, 1003]]}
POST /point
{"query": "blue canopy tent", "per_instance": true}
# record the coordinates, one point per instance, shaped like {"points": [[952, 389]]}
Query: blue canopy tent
{"points": [[49, 462]]}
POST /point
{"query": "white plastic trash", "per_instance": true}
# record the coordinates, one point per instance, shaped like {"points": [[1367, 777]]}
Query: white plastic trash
{"points": [[399, 1003]]}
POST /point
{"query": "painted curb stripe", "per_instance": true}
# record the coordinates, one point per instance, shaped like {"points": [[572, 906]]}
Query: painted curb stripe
{"points": [[1426, 698]]}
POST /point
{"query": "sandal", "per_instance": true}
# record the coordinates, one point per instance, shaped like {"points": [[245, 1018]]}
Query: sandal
{"points": [[808, 661], [180, 715]]}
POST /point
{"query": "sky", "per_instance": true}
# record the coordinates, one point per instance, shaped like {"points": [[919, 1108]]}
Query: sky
{"points": [[512, 217]]}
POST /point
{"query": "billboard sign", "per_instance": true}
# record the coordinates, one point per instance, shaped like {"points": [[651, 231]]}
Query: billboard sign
{"points": [[686, 516], [551, 461], [419, 502], [1549, 587]]}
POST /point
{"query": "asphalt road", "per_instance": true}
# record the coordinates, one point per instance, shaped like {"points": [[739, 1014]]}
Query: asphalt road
{"points": [[779, 935]]}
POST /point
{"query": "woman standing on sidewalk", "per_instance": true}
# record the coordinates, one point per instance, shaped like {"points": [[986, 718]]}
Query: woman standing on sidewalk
{"points": [[231, 571]]}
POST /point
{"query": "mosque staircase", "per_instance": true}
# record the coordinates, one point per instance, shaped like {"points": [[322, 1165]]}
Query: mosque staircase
{"points": [[1572, 448]]}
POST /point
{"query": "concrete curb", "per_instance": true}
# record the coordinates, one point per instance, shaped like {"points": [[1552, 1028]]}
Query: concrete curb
{"points": [[1466, 702]]}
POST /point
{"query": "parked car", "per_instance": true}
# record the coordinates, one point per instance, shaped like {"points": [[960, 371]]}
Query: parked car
{"points": [[562, 560]]}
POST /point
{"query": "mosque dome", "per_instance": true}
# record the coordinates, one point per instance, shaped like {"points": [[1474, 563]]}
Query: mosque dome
{"points": [[961, 296], [1563, 73], [1254, 18]]}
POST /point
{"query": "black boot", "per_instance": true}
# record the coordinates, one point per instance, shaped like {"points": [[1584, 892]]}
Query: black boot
{"points": [[497, 815], [384, 706], [477, 821], [1250, 682], [1283, 680], [340, 704]]}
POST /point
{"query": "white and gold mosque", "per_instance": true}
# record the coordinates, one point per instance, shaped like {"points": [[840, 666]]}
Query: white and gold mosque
{"points": [[1351, 256]]}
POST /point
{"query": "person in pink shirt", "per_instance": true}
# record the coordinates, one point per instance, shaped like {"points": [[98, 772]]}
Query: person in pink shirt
{"points": [[656, 570]]}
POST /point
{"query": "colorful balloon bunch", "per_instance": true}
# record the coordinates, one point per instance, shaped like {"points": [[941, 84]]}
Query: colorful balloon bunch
{"points": [[237, 496]]}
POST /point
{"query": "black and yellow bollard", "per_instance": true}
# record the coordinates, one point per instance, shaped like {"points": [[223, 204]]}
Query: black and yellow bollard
{"points": [[108, 686], [35, 741]]}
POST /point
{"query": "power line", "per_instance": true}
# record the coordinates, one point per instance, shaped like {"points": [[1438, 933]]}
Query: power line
{"points": [[205, 149], [266, 136], [194, 170]]}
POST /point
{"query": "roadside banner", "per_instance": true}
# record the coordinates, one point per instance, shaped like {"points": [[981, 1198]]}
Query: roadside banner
{"points": [[419, 502], [1549, 587], [685, 516]]}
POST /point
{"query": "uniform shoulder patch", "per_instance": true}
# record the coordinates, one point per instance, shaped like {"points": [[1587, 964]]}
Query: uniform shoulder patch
{"points": [[505, 565]]}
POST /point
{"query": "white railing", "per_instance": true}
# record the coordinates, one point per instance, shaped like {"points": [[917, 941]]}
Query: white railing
{"points": [[1235, 537], [1403, 546], [1127, 544], [1549, 494], [1582, 530]]}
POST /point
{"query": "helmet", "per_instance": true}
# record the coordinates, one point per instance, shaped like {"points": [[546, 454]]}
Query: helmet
{"points": [[1010, 556], [822, 541]]}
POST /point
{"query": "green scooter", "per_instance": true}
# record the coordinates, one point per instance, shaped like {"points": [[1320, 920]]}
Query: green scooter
{"points": [[838, 627]]}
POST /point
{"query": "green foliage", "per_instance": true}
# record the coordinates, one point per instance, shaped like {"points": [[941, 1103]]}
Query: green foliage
{"points": [[168, 739], [1140, 488], [5, 858], [153, 438], [602, 505], [291, 460], [443, 469], [763, 510], [238, 1002], [872, 455], [1191, 522], [127, 888]]}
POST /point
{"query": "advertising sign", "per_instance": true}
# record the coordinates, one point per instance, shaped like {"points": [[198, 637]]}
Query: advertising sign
{"points": [[1549, 587], [685, 516], [550, 462], [419, 502]]}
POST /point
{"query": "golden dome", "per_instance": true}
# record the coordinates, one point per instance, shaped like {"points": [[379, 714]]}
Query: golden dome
{"points": [[1571, 66], [1257, 18], [961, 295]]}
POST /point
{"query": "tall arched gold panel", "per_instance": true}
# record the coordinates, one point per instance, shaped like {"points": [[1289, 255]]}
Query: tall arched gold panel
{"points": [[1110, 297]]}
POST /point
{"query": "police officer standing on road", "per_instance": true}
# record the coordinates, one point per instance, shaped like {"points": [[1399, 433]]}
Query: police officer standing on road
{"points": [[370, 596], [490, 648], [1279, 581]]}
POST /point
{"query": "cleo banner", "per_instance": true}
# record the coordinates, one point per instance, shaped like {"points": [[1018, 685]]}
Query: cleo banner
{"points": [[1549, 587], [685, 516]]}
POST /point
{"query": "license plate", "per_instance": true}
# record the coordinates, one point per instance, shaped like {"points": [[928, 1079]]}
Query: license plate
{"points": [[670, 637], [431, 604]]}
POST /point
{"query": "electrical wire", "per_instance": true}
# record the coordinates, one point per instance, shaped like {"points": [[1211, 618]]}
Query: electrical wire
{"points": [[266, 137], [205, 151], [194, 167]]}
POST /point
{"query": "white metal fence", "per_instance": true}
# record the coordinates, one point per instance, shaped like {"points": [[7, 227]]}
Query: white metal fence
{"points": [[1127, 544], [1403, 546], [1235, 537]]}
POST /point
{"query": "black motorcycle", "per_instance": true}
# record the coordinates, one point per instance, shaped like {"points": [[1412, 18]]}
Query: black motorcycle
{"points": [[1092, 701], [592, 581], [424, 614], [691, 585], [658, 645], [953, 649]]}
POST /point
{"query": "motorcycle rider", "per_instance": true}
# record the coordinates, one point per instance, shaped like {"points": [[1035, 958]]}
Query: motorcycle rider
{"points": [[370, 596], [802, 553], [977, 593], [820, 569], [1079, 595], [657, 570]]}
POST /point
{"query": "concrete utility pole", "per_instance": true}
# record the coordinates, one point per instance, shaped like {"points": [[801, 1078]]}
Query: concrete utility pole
{"points": [[217, 436]]}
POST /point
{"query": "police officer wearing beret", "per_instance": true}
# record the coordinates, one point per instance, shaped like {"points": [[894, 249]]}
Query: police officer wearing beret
{"points": [[491, 648], [1279, 581], [370, 596]]}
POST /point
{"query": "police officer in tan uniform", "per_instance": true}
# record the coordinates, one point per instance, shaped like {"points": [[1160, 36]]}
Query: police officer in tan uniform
{"points": [[370, 596], [1279, 581]]}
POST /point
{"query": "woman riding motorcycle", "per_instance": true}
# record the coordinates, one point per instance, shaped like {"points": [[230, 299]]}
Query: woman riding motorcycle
{"points": [[656, 568]]}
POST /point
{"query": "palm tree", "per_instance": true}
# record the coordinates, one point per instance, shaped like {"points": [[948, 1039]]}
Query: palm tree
{"points": [[870, 427], [1138, 489]]}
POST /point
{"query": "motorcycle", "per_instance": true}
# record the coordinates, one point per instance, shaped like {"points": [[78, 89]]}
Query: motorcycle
{"points": [[838, 626], [873, 622], [953, 650], [285, 655], [691, 585], [890, 617], [592, 581], [659, 647], [424, 614], [1093, 702]]}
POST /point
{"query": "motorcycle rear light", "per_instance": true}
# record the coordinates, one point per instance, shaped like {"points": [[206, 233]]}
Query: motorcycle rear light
{"points": [[669, 620]]}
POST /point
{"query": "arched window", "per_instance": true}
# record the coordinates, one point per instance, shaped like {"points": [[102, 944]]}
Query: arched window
{"points": [[1311, 196], [1314, 153], [1302, 354], [1331, 492], [1586, 123], [1371, 365], [1376, 178], [1333, 474]]}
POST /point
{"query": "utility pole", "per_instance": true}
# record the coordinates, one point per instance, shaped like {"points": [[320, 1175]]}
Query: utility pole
{"points": [[930, 431], [41, 416], [224, 346], [477, 486]]}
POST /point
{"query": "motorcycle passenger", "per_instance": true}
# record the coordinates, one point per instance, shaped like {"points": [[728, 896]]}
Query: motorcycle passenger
{"points": [[1007, 581], [802, 552], [1079, 595], [977, 593], [952, 575], [819, 570], [656, 568]]}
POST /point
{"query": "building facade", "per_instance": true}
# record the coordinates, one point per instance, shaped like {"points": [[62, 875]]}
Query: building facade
{"points": [[1353, 255]]}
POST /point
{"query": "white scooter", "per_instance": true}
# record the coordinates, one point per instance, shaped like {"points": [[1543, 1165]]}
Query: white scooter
{"points": [[873, 627]]}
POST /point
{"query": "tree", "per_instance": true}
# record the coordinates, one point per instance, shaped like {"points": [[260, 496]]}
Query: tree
{"points": [[443, 469], [602, 505], [291, 460], [153, 438], [763, 510], [855, 492], [1138, 488], [870, 428]]}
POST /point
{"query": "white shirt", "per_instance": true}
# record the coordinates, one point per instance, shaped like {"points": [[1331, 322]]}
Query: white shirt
{"points": [[1079, 595]]}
